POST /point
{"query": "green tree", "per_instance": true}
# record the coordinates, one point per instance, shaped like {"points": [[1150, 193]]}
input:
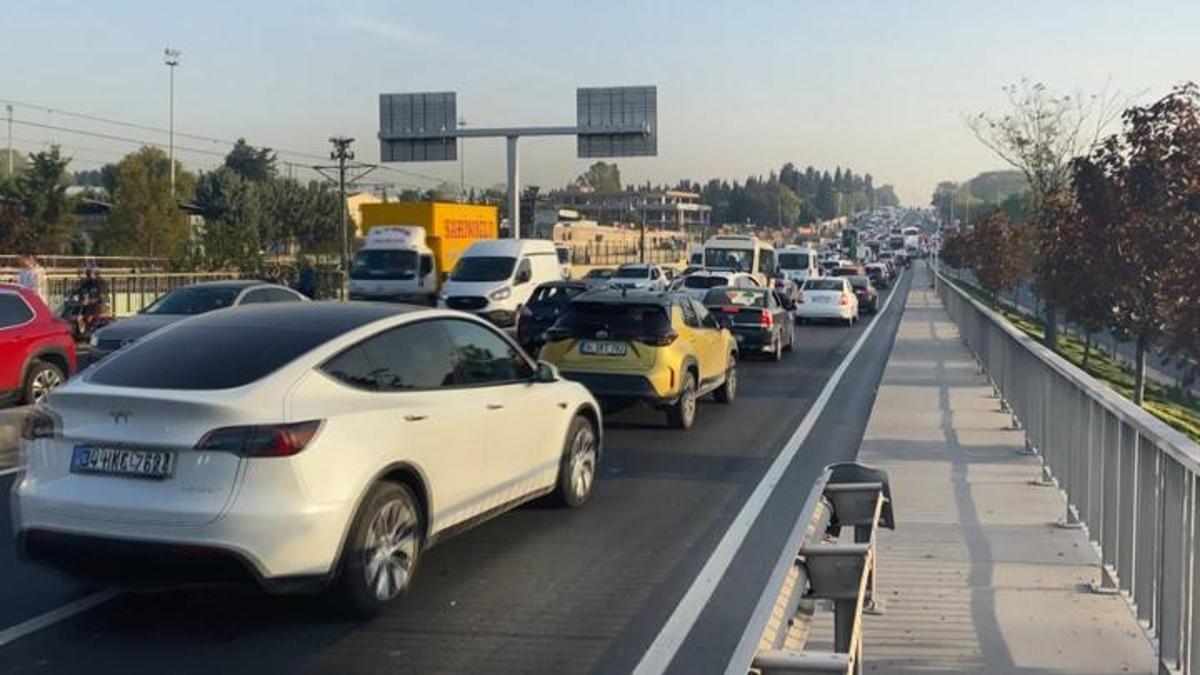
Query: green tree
{"points": [[18, 162], [145, 219], [232, 211], [603, 177], [253, 164], [41, 189]]}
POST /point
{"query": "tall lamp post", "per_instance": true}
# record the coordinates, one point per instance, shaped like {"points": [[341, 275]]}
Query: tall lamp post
{"points": [[171, 58]]}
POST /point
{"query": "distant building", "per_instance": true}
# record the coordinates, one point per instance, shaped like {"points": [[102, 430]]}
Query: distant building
{"points": [[663, 209]]}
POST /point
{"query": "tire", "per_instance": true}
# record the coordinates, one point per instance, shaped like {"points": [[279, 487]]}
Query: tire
{"points": [[727, 392], [777, 353], [42, 378], [850, 322], [683, 414], [370, 580], [577, 470], [791, 343]]}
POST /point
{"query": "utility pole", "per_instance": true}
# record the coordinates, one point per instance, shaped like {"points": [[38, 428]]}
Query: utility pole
{"points": [[10, 148], [462, 160], [642, 213], [171, 58], [344, 156]]}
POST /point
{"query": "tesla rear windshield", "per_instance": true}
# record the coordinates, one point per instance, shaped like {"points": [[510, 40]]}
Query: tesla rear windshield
{"points": [[632, 273], [793, 261], [618, 320], [205, 357]]}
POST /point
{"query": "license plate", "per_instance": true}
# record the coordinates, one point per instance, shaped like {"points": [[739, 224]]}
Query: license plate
{"points": [[823, 301], [156, 464], [594, 348]]}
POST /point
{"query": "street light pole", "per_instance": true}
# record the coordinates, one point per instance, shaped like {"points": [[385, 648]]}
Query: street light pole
{"points": [[171, 58]]}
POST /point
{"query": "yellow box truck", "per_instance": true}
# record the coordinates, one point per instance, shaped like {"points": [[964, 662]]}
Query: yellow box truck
{"points": [[412, 246]]}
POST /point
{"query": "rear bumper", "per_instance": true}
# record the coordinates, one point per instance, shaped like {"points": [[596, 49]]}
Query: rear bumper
{"points": [[754, 338], [830, 311], [133, 563], [613, 386]]}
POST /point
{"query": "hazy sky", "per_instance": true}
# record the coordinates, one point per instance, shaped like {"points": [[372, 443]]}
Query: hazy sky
{"points": [[879, 86]]}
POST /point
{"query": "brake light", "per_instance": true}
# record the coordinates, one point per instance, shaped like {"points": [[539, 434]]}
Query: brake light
{"points": [[844, 299], [765, 319], [658, 340], [270, 440]]}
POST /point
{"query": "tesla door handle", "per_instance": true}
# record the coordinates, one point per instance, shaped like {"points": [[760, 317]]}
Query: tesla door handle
{"points": [[414, 418], [494, 406]]}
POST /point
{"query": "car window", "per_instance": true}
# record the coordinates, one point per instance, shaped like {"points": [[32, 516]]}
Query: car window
{"points": [[483, 357], [705, 281], [190, 300], [255, 297], [353, 367], [414, 356], [281, 295], [836, 284], [701, 311], [13, 311], [654, 273], [690, 318]]}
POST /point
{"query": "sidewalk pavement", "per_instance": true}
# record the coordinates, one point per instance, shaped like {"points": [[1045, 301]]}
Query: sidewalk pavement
{"points": [[976, 576]]}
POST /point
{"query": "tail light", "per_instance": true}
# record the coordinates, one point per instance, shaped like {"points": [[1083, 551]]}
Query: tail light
{"points": [[270, 440], [844, 299], [765, 319], [662, 340], [37, 424]]}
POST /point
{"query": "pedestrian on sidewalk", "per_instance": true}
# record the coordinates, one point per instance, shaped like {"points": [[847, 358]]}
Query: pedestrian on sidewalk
{"points": [[32, 276]]}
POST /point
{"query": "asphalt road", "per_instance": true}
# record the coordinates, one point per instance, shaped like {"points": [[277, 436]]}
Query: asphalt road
{"points": [[536, 590]]}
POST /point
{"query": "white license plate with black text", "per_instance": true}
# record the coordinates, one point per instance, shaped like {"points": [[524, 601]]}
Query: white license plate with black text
{"points": [[96, 459], [598, 348]]}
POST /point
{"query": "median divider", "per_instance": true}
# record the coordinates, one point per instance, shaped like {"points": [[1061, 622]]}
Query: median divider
{"points": [[827, 566]]}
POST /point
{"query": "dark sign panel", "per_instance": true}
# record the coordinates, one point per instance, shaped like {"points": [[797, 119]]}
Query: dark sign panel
{"points": [[617, 121], [430, 120]]}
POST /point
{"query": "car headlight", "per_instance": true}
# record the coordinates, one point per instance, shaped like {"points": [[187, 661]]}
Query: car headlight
{"points": [[500, 294]]}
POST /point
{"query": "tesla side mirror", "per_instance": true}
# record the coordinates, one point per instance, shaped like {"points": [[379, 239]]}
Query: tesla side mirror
{"points": [[546, 372]]}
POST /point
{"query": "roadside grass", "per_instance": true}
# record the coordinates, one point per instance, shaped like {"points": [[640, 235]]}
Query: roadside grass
{"points": [[1178, 409]]}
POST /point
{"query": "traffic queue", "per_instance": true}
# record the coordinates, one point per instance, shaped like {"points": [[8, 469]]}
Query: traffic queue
{"points": [[237, 433]]}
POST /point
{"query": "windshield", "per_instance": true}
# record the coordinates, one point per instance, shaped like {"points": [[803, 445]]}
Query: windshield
{"points": [[193, 301], [736, 297], [483, 268], [741, 259], [860, 282], [553, 296], [793, 261], [705, 281], [564, 255], [632, 273], [585, 319], [823, 285], [599, 274], [384, 264]]}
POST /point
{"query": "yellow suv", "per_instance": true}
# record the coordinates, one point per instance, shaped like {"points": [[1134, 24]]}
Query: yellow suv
{"points": [[662, 348]]}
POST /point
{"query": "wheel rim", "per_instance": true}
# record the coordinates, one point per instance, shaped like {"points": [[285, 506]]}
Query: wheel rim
{"points": [[391, 549], [583, 461], [689, 402], [43, 382]]}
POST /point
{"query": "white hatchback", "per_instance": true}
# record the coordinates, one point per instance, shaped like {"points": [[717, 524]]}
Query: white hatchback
{"points": [[301, 446], [827, 298]]}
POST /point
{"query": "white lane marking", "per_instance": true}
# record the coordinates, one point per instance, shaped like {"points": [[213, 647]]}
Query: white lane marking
{"points": [[54, 616], [662, 651], [5, 472]]}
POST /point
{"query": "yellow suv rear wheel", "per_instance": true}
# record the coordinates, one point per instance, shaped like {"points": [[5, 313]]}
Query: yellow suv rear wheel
{"points": [[683, 414]]}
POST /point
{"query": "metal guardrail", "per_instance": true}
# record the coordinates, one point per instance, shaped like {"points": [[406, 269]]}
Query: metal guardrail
{"points": [[1130, 479], [819, 568]]}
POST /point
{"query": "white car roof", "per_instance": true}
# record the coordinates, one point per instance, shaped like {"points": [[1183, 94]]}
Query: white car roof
{"points": [[509, 247]]}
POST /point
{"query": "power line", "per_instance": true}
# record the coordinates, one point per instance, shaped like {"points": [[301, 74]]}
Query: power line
{"points": [[200, 137]]}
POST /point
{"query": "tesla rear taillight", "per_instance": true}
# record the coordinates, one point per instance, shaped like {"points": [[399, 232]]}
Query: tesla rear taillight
{"points": [[269, 440], [765, 319], [662, 340]]}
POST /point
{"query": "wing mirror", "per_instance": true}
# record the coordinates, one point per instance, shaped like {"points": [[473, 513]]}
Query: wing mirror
{"points": [[723, 321], [546, 372]]}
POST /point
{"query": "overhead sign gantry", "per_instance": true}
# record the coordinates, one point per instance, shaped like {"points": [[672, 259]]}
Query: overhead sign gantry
{"points": [[609, 122]]}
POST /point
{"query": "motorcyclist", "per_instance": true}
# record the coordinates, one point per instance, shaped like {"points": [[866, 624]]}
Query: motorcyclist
{"points": [[89, 294]]}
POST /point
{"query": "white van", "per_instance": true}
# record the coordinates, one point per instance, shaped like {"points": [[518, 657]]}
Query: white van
{"points": [[395, 264], [495, 278], [741, 253], [798, 263]]}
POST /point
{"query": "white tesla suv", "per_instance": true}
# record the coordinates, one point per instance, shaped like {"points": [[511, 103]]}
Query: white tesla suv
{"points": [[301, 446]]}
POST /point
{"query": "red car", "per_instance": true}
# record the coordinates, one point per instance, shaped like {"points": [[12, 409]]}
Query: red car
{"points": [[37, 352]]}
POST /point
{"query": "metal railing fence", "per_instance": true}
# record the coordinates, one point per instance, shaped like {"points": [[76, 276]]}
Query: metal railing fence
{"points": [[1130, 479]]}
